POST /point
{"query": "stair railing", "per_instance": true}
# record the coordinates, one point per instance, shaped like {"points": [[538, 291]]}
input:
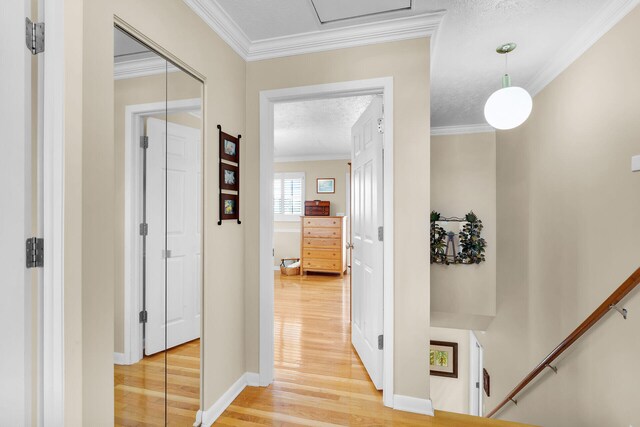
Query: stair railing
{"points": [[611, 303]]}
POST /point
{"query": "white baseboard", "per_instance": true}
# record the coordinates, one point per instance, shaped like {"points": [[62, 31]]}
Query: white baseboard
{"points": [[120, 359], [413, 404], [211, 415]]}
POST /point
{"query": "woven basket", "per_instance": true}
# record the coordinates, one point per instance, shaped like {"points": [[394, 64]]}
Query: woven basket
{"points": [[289, 271]]}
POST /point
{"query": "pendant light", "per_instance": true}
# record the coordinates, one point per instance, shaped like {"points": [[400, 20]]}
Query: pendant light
{"points": [[509, 107]]}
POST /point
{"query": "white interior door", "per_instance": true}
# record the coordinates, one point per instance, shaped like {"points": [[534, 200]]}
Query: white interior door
{"points": [[367, 256], [476, 385], [173, 205], [15, 217]]}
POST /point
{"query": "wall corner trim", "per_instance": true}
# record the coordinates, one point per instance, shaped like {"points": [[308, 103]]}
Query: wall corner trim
{"points": [[461, 129], [210, 415], [120, 359], [413, 404]]}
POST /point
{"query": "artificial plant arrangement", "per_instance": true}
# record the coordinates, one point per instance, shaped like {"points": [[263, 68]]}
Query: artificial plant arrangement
{"points": [[472, 245]]}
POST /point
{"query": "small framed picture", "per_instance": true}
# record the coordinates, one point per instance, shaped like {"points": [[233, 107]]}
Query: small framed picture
{"points": [[229, 148], [443, 359], [229, 206], [326, 185], [229, 177]]}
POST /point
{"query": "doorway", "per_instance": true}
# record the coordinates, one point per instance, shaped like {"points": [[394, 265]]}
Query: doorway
{"points": [[158, 321], [384, 88]]}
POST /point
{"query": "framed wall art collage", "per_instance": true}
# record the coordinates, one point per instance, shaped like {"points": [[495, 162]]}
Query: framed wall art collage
{"points": [[229, 177]]}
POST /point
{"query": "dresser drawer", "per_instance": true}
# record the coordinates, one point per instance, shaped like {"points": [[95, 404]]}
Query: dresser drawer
{"points": [[322, 254], [332, 233], [321, 222], [310, 242], [317, 211], [322, 264]]}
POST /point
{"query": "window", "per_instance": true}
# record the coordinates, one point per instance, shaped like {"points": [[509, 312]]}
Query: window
{"points": [[288, 196]]}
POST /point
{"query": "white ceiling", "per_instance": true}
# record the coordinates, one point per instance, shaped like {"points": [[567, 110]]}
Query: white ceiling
{"points": [[465, 68], [318, 129], [336, 10]]}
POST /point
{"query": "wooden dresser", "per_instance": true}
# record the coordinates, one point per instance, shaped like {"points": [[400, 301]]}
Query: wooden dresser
{"points": [[323, 244]]}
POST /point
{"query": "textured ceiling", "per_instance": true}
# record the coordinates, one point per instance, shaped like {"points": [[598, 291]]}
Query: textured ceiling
{"points": [[126, 48], [465, 69], [316, 129]]}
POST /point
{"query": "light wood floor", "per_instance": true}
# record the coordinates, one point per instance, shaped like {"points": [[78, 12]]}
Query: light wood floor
{"points": [[319, 379], [140, 393]]}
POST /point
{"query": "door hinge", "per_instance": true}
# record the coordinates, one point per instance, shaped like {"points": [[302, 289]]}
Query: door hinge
{"points": [[144, 229], [380, 233], [380, 125], [477, 384], [142, 316], [35, 252], [144, 142], [380, 342], [34, 36]]}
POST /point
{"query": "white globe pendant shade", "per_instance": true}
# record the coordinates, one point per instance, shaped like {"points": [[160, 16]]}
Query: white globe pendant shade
{"points": [[508, 108]]}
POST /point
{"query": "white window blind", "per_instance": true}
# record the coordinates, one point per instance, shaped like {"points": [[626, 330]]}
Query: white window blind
{"points": [[288, 196]]}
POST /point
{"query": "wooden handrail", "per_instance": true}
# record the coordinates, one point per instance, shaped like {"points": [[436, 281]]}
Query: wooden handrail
{"points": [[617, 296]]}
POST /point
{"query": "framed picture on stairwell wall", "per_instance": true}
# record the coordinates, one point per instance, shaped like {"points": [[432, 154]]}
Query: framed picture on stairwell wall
{"points": [[443, 359]]}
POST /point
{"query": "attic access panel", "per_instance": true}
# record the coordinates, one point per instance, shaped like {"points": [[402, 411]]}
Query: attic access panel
{"points": [[339, 10]]}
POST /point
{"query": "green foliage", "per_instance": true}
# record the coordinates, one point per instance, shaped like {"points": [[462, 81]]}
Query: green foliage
{"points": [[438, 241], [472, 246]]}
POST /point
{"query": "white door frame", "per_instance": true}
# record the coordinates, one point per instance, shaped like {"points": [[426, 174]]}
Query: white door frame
{"points": [[134, 129], [476, 356], [268, 98], [51, 406]]}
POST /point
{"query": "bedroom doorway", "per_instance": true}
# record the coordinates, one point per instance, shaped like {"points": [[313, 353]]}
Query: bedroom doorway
{"points": [[367, 230]]}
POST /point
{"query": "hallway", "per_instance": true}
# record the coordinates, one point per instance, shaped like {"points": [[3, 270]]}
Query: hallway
{"points": [[319, 379]]}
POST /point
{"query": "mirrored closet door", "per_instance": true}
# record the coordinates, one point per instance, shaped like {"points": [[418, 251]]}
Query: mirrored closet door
{"points": [[158, 131]]}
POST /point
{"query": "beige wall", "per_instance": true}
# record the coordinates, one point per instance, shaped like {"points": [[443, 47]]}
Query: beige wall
{"points": [[463, 179], [452, 394], [141, 90], [568, 236], [90, 195], [286, 234], [408, 63]]}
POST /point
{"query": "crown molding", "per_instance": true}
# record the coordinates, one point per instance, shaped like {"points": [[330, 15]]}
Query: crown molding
{"points": [[398, 29], [586, 37], [424, 25], [461, 129], [220, 22], [141, 68], [311, 158]]}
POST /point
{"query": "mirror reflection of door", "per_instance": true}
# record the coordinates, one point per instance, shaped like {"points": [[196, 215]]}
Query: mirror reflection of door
{"points": [[158, 130]]}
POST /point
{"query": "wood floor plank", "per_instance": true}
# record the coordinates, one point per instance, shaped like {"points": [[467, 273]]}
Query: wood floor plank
{"points": [[139, 390], [319, 379]]}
